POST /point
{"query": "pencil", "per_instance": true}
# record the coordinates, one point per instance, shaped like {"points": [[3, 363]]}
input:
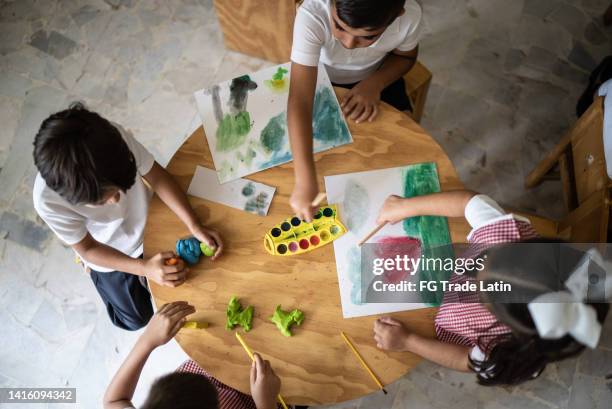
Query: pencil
{"points": [[250, 354], [363, 363], [371, 233]]}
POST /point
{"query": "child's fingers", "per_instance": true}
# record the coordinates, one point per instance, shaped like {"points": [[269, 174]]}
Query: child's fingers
{"points": [[391, 321], [166, 254], [183, 312], [181, 275], [357, 111], [365, 114], [177, 327], [348, 108], [346, 99], [259, 365], [374, 113], [177, 306], [171, 269], [253, 373]]}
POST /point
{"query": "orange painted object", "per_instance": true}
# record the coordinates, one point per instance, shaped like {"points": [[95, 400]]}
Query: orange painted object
{"points": [[172, 261]]}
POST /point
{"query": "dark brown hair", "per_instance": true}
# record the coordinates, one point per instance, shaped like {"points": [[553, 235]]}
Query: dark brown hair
{"points": [[81, 155], [181, 390], [368, 14]]}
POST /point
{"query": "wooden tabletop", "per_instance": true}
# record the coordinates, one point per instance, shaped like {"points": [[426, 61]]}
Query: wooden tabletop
{"points": [[315, 365]]}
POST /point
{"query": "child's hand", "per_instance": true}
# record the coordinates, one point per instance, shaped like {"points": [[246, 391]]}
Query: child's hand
{"points": [[265, 385], [301, 200], [393, 210], [166, 323], [391, 334], [361, 102], [156, 269], [210, 237]]}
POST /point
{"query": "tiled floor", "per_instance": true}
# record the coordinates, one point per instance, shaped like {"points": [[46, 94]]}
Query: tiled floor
{"points": [[507, 74]]}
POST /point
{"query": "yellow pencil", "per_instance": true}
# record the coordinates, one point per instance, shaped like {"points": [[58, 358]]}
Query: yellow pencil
{"points": [[363, 363], [250, 354]]}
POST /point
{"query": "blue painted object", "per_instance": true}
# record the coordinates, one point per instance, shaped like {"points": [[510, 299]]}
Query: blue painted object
{"points": [[189, 250]]}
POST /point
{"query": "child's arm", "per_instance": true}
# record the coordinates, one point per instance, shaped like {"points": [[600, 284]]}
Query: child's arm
{"points": [[162, 328], [299, 122], [391, 335], [153, 268], [361, 102], [169, 191], [448, 204]]}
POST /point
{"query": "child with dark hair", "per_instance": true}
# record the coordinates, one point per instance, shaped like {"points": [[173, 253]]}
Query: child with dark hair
{"points": [[505, 338], [366, 46], [190, 387], [90, 191]]}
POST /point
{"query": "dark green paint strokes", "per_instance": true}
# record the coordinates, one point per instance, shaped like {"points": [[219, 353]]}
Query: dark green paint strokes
{"points": [[327, 122], [248, 189], [239, 90], [273, 135], [422, 179]]}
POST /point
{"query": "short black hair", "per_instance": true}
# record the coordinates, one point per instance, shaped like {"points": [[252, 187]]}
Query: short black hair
{"points": [[81, 155], [368, 14], [182, 390]]}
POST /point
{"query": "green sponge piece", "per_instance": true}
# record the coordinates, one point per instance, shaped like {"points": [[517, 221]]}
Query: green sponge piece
{"points": [[284, 320], [238, 316]]}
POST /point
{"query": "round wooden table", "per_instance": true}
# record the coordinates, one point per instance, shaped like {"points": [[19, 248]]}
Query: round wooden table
{"points": [[315, 365]]}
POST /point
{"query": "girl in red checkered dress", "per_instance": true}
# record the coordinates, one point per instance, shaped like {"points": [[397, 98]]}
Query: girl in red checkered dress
{"points": [[502, 342], [190, 387]]}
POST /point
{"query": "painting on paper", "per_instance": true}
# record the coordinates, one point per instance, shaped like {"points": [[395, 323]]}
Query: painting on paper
{"points": [[245, 121], [359, 197], [241, 194]]}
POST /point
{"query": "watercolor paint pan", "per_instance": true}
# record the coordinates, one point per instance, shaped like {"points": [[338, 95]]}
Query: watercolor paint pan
{"points": [[293, 236]]}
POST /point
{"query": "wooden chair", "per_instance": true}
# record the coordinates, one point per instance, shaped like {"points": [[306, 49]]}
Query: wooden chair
{"points": [[264, 29], [578, 161]]}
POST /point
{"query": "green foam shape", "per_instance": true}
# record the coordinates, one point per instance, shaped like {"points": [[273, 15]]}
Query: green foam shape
{"points": [[284, 320], [238, 316]]}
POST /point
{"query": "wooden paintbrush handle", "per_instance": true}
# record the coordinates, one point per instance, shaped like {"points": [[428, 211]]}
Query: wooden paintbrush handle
{"points": [[370, 234]]}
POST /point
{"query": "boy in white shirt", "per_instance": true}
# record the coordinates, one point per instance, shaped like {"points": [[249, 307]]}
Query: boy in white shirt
{"points": [[90, 192], [365, 45]]}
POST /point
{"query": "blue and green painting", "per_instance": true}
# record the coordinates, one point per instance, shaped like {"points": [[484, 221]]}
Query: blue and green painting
{"points": [[246, 124]]}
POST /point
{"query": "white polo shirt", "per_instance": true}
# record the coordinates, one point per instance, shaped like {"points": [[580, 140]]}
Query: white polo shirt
{"points": [[120, 225], [313, 41]]}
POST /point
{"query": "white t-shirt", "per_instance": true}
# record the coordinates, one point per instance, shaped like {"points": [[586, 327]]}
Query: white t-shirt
{"points": [[481, 210], [313, 41], [120, 225]]}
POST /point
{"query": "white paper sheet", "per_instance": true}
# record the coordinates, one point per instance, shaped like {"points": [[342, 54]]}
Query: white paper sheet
{"points": [[359, 197], [245, 121], [242, 194]]}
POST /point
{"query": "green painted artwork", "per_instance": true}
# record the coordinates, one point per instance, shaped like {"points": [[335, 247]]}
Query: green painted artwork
{"points": [[432, 231], [273, 135], [360, 196], [245, 121]]}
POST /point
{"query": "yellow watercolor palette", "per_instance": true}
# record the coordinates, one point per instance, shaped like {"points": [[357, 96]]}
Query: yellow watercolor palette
{"points": [[294, 236]]}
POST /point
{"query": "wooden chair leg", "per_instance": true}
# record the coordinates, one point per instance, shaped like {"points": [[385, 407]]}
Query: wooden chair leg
{"points": [[538, 174]]}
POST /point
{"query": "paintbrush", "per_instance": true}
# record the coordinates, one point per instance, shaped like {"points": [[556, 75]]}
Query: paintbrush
{"points": [[363, 363], [371, 233], [318, 199]]}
